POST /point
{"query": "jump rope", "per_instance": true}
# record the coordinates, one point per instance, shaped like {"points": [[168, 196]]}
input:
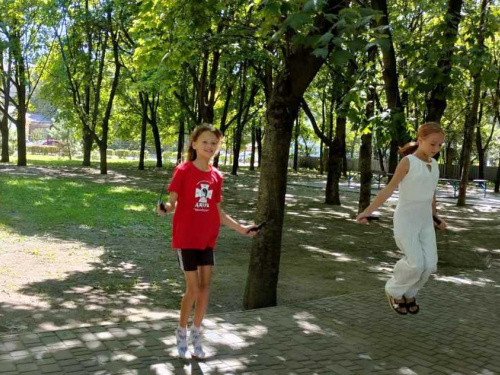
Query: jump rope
{"points": [[161, 204]]}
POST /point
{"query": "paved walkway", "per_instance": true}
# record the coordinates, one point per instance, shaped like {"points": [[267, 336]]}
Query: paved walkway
{"points": [[457, 332]]}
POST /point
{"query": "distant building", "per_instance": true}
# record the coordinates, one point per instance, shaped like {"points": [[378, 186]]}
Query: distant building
{"points": [[37, 126]]}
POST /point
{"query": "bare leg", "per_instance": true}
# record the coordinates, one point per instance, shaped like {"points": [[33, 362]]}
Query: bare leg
{"points": [[204, 280], [190, 297]]}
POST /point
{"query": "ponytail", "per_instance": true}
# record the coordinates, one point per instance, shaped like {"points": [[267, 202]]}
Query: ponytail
{"points": [[408, 149], [423, 131]]}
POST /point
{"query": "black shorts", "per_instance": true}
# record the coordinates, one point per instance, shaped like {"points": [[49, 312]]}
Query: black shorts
{"points": [[190, 259]]}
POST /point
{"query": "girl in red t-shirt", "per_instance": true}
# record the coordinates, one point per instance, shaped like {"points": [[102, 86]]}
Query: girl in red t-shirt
{"points": [[195, 194]]}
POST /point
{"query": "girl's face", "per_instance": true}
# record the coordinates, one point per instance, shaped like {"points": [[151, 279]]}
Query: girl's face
{"points": [[431, 144], [207, 145]]}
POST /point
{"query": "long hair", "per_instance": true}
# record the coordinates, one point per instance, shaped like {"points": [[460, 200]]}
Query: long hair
{"points": [[199, 130], [423, 131]]}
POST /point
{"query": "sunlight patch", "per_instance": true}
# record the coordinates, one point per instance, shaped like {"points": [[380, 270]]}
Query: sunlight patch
{"points": [[135, 207], [461, 280], [340, 257]]}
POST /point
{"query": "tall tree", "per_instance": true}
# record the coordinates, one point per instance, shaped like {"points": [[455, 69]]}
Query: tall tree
{"points": [[436, 102], [391, 84], [471, 118], [92, 96], [300, 66]]}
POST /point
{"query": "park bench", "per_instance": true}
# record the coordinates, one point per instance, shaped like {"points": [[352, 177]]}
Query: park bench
{"points": [[483, 184], [378, 175], [455, 184], [350, 176]]}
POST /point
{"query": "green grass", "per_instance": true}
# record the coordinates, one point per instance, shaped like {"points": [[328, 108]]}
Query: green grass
{"points": [[45, 203], [57, 161]]}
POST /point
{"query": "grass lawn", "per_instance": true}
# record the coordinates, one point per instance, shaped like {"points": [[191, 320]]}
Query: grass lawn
{"points": [[81, 248]]}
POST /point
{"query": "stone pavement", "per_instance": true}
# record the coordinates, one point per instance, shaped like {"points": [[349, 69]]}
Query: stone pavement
{"points": [[457, 332]]}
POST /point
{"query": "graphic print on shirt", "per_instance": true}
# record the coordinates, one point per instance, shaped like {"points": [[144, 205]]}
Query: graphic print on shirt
{"points": [[203, 193]]}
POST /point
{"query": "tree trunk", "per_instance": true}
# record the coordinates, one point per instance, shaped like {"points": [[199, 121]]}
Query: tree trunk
{"points": [[390, 76], [393, 156], [296, 145], [259, 136], [365, 160], [87, 147], [497, 179], [180, 140], [157, 141], [335, 156], [481, 151], [223, 121], [144, 127], [471, 119], [252, 155], [4, 128], [103, 147], [299, 69], [381, 159], [236, 151], [450, 158], [436, 104], [20, 77], [5, 76], [365, 151]]}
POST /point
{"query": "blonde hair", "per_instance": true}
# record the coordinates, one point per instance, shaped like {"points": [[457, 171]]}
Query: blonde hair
{"points": [[199, 130], [423, 131]]}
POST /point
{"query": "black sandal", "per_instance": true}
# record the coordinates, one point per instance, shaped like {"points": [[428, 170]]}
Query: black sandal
{"points": [[397, 306], [412, 304]]}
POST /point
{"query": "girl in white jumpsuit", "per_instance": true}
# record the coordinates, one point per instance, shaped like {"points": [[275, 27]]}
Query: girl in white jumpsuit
{"points": [[417, 175]]}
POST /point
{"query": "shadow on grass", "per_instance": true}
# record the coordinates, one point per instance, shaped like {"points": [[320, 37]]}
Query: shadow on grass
{"points": [[134, 276]]}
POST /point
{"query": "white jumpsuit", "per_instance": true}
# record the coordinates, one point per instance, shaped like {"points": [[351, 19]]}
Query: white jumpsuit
{"points": [[414, 229]]}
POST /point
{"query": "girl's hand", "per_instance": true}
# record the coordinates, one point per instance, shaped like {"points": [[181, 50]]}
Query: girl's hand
{"points": [[443, 225], [245, 230], [160, 211], [362, 218], [168, 209]]}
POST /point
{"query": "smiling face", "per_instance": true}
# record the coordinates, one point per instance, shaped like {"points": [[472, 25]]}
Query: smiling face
{"points": [[206, 145], [431, 144]]}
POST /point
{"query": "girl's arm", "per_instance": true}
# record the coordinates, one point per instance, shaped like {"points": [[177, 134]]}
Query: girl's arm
{"points": [[170, 205], [385, 193], [228, 221], [442, 225]]}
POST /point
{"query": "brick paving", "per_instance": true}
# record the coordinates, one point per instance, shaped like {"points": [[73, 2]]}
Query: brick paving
{"points": [[457, 332]]}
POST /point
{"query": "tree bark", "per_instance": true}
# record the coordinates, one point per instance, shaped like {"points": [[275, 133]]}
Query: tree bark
{"points": [[5, 76], [436, 104], [223, 122], [252, 155], [259, 136], [20, 83], [497, 179], [144, 126], [296, 145], [390, 76], [335, 156], [299, 69], [365, 151], [180, 140], [153, 104], [471, 119]]}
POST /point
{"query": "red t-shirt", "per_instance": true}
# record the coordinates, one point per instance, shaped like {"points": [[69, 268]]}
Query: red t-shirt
{"points": [[196, 219]]}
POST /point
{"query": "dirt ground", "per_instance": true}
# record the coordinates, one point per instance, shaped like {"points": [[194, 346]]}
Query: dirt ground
{"points": [[78, 275]]}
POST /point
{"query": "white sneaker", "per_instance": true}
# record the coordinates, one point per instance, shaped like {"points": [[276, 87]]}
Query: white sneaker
{"points": [[196, 342], [181, 337]]}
